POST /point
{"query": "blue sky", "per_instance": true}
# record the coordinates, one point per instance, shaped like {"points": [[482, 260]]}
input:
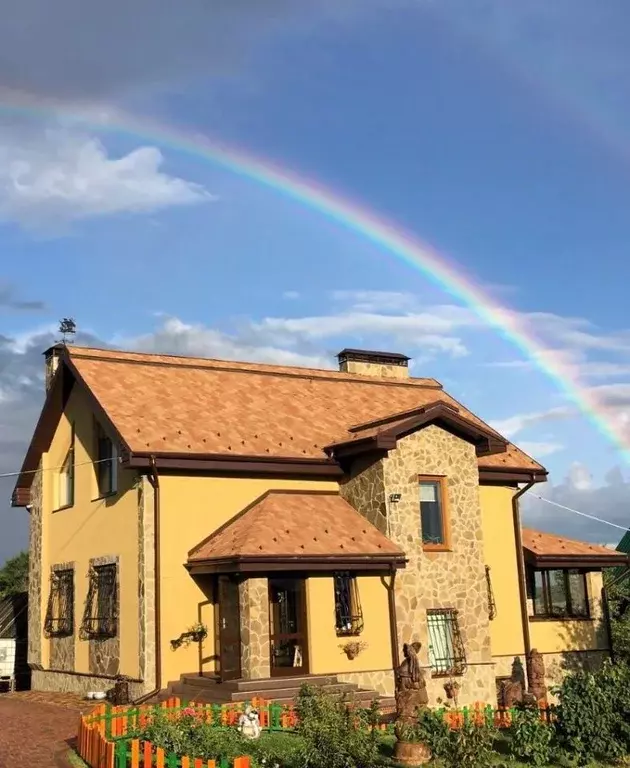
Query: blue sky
{"points": [[498, 132]]}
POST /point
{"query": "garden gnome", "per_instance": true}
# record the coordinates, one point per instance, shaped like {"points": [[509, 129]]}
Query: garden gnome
{"points": [[411, 695], [249, 723]]}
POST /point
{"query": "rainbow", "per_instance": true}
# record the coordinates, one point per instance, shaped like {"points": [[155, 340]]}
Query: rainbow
{"points": [[366, 223]]}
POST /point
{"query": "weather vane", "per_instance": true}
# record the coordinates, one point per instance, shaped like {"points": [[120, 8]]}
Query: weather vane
{"points": [[67, 327]]}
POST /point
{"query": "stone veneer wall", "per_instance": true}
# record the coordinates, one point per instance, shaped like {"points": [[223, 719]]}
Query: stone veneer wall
{"points": [[62, 648], [365, 491], [35, 628], [254, 623], [453, 579], [381, 680]]}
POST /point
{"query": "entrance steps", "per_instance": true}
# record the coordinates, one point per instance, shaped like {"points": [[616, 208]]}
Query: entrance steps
{"points": [[283, 690]]}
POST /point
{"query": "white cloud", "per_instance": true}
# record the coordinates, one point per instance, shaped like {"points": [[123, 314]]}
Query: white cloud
{"points": [[513, 425], [58, 177], [177, 337], [541, 448], [291, 295]]}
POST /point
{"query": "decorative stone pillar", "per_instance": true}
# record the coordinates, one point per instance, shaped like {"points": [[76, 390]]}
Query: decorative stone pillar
{"points": [[254, 621], [35, 573], [146, 584]]}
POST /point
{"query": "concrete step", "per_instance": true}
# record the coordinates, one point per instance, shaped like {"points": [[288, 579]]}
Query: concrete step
{"points": [[267, 684]]}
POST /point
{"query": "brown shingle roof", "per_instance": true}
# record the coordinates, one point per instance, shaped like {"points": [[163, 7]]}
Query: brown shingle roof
{"points": [[547, 546], [182, 405], [289, 524]]}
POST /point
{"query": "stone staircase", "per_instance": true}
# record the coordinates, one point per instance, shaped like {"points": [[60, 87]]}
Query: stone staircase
{"points": [[283, 690]]}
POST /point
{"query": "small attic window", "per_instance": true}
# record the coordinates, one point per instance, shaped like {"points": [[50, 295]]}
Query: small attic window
{"points": [[106, 463]]}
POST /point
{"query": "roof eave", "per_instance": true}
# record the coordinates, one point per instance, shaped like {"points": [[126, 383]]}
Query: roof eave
{"points": [[589, 562], [324, 563]]}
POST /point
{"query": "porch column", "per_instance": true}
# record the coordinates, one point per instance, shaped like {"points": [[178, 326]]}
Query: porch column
{"points": [[254, 614]]}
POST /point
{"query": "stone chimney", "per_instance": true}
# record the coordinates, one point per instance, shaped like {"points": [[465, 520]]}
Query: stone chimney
{"points": [[51, 360], [363, 362]]}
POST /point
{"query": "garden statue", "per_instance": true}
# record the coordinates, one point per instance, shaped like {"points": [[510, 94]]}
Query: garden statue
{"points": [[536, 674], [411, 695], [513, 690], [249, 723]]}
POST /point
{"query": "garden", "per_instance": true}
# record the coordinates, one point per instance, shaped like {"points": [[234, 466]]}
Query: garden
{"points": [[590, 726]]}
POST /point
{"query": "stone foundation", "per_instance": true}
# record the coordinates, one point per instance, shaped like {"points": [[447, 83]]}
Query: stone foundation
{"points": [[558, 665], [68, 683], [380, 680]]}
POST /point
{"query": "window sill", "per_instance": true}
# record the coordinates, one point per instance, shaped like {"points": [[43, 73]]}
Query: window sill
{"points": [[65, 506], [563, 619], [447, 675], [109, 495], [436, 548]]}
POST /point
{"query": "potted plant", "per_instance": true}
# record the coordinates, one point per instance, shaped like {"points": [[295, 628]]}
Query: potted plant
{"points": [[411, 745], [353, 648], [195, 634], [451, 689]]}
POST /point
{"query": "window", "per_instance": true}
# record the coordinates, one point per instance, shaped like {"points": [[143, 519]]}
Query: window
{"points": [[65, 496], [432, 515], [101, 611], [106, 463], [60, 613], [348, 613], [446, 649], [559, 593]]}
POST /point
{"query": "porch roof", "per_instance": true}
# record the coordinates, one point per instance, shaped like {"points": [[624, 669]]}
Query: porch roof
{"points": [[547, 550], [296, 530]]}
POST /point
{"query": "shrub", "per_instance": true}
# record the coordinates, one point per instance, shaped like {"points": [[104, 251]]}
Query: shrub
{"points": [[334, 734], [433, 730], [530, 739], [471, 746], [594, 713]]}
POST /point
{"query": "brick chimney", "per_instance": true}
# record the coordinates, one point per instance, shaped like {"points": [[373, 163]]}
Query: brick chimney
{"points": [[364, 362], [51, 361]]}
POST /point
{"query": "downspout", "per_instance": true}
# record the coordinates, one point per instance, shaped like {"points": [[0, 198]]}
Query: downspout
{"points": [[154, 479], [520, 565], [393, 623]]}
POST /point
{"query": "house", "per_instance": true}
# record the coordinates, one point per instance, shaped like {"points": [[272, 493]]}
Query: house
{"points": [[14, 671], [300, 516]]}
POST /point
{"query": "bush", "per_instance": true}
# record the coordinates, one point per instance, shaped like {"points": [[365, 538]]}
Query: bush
{"points": [[594, 713], [470, 746], [334, 735], [530, 739]]}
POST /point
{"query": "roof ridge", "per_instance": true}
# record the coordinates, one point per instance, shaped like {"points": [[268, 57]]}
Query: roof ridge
{"points": [[240, 366]]}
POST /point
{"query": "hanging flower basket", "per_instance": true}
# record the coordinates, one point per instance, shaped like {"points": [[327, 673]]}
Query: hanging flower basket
{"points": [[195, 634], [353, 648]]}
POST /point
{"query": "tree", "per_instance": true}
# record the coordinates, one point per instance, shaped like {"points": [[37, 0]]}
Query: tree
{"points": [[619, 607], [14, 575]]}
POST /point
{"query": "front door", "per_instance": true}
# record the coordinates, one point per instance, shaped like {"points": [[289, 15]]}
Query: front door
{"points": [[229, 629], [288, 632]]}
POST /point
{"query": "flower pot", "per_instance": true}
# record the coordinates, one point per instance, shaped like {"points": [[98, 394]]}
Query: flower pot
{"points": [[352, 653], [411, 753]]}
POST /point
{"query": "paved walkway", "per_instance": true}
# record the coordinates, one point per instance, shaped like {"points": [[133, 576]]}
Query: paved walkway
{"points": [[36, 727]]}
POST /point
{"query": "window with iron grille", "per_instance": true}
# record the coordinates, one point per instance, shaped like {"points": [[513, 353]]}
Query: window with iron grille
{"points": [[59, 620], [446, 648], [101, 610], [348, 613], [106, 463]]}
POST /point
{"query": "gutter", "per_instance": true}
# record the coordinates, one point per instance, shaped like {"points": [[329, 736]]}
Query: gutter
{"points": [[520, 565], [393, 622], [154, 479]]}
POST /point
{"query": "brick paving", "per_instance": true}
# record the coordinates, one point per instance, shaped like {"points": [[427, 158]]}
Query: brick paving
{"points": [[36, 728]]}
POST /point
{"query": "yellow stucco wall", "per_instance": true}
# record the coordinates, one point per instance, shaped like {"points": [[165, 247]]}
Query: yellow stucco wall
{"points": [[500, 554], [192, 508], [326, 657], [506, 628], [91, 529]]}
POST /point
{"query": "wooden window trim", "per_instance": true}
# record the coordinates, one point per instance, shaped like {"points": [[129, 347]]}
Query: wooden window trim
{"points": [[446, 545], [71, 458], [98, 433], [547, 616]]}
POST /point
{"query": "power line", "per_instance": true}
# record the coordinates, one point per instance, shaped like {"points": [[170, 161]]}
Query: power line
{"points": [[582, 514], [55, 469]]}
